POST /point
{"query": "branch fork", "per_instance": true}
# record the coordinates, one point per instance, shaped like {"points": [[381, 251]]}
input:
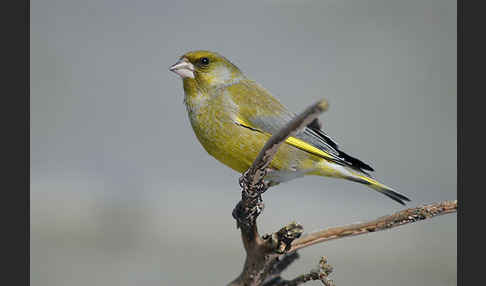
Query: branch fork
{"points": [[269, 255]]}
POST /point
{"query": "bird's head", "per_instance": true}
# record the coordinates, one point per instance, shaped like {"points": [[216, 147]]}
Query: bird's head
{"points": [[206, 69]]}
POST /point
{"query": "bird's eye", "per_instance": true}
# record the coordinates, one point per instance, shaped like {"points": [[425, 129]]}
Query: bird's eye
{"points": [[204, 61]]}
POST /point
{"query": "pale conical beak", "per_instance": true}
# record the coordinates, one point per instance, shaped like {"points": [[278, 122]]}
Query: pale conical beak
{"points": [[183, 68]]}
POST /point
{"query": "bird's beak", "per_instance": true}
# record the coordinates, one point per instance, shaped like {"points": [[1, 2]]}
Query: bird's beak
{"points": [[183, 68]]}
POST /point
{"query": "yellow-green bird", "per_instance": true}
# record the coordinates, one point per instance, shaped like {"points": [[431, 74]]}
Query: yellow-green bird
{"points": [[233, 117]]}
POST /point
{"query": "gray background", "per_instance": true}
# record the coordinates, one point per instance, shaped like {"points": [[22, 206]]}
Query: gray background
{"points": [[122, 193]]}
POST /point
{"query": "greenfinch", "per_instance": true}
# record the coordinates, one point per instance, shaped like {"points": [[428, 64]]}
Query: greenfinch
{"points": [[233, 116]]}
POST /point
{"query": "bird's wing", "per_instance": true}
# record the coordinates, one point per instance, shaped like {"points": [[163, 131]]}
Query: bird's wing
{"points": [[260, 111]]}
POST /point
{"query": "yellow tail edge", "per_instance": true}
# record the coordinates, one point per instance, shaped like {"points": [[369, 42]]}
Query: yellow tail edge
{"points": [[377, 186]]}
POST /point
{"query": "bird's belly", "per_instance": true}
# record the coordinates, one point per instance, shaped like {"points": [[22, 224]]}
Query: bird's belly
{"points": [[237, 146]]}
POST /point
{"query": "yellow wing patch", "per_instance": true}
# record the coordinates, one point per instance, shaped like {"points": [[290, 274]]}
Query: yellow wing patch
{"points": [[302, 145], [297, 143]]}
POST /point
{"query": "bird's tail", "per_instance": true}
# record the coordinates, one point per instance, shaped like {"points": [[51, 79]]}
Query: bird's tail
{"points": [[352, 175], [377, 186]]}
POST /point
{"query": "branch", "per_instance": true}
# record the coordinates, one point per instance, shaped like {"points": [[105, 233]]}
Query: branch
{"points": [[268, 256], [252, 182], [270, 148], [283, 263], [320, 274], [386, 222], [262, 253]]}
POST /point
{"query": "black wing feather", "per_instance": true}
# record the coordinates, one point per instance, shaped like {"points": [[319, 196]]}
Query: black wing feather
{"points": [[314, 128]]}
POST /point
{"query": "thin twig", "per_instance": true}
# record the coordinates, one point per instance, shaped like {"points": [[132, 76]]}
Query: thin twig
{"points": [[386, 222], [257, 169], [282, 263], [252, 182], [321, 274]]}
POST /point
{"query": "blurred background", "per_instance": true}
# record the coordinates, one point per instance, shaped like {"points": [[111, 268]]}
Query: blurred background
{"points": [[122, 193]]}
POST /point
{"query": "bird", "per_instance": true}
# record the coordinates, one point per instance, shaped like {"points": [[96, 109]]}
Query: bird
{"points": [[233, 116]]}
